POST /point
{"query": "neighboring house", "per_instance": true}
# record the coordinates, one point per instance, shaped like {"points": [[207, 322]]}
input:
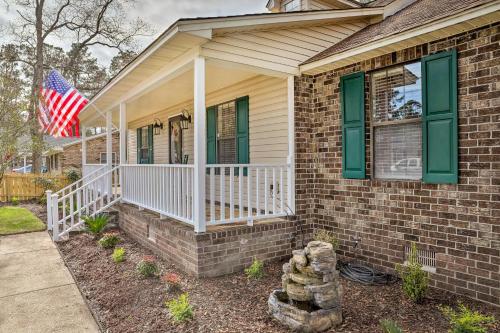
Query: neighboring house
{"points": [[242, 135], [66, 153]]}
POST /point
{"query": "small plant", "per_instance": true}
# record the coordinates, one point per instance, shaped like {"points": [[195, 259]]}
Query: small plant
{"points": [[46, 183], [415, 279], [109, 240], [147, 266], [118, 255], [95, 225], [43, 200], [172, 280], [327, 237], [14, 201], [465, 320], [390, 326], [180, 309], [73, 175], [256, 270]]}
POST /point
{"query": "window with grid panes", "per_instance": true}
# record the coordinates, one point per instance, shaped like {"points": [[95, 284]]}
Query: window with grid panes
{"points": [[396, 103], [226, 133]]}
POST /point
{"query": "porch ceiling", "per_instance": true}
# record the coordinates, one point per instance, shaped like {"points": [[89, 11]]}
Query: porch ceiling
{"points": [[179, 91]]}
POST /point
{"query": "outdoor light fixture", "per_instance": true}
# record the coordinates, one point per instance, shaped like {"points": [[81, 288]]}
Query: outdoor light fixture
{"points": [[185, 119], [157, 126]]}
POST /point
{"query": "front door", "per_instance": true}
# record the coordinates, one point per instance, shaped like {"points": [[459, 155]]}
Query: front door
{"points": [[175, 141]]}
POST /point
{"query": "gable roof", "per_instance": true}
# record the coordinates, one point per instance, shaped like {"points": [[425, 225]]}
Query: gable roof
{"points": [[415, 15]]}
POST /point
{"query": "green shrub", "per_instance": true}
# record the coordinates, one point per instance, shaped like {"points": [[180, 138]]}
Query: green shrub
{"points": [[415, 279], [327, 237], [180, 309], [95, 225], [109, 240], [465, 320], [14, 201], [390, 326], [43, 200], [147, 266], [118, 254], [256, 270], [46, 183], [73, 175]]}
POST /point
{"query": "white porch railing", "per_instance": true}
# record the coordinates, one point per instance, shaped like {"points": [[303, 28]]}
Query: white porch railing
{"points": [[65, 209], [88, 174], [163, 188], [246, 192], [233, 193]]}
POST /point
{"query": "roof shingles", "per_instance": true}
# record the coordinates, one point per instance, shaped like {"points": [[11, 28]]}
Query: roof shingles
{"points": [[416, 14]]}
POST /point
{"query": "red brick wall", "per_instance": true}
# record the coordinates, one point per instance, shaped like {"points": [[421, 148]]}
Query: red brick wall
{"points": [[219, 251], [461, 223], [72, 154]]}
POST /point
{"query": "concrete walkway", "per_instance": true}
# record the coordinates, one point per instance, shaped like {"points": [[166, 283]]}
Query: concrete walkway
{"points": [[37, 292]]}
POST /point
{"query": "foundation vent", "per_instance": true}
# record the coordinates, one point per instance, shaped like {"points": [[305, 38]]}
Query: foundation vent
{"points": [[151, 233], [426, 258]]}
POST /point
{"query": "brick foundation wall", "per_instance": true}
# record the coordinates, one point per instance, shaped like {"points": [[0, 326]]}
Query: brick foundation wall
{"points": [[461, 223], [72, 154], [219, 251]]}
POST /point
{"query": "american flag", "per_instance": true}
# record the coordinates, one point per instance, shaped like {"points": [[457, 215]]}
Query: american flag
{"points": [[59, 106]]}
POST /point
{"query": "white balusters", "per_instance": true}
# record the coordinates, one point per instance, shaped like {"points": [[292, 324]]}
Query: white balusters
{"points": [[162, 188], [250, 192]]}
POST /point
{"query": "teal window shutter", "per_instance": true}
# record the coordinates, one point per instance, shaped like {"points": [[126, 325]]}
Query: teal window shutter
{"points": [[352, 101], [212, 135], [139, 145], [242, 136], [439, 118], [150, 145]]}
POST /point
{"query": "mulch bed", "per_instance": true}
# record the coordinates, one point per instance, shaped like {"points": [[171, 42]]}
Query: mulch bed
{"points": [[125, 302]]}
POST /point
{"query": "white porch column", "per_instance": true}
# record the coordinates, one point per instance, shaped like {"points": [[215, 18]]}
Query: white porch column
{"points": [[84, 147], [123, 144], [200, 156], [291, 143], [123, 133], [109, 149]]}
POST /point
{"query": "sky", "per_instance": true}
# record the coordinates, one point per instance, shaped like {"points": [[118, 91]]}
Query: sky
{"points": [[160, 14]]}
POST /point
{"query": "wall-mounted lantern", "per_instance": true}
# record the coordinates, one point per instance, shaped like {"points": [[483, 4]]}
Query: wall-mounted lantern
{"points": [[157, 126], [185, 119]]}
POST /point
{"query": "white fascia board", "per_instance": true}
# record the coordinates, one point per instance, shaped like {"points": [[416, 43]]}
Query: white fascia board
{"points": [[276, 19], [168, 72], [167, 35], [427, 28]]}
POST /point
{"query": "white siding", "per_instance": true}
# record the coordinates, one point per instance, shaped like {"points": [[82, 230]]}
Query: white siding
{"points": [[268, 121], [280, 50], [319, 5]]}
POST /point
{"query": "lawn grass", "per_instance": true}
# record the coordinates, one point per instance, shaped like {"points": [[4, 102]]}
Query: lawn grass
{"points": [[14, 220]]}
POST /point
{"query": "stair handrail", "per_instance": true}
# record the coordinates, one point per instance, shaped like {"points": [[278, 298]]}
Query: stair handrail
{"points": [[61, 191], [54, 200], [91, 181]]}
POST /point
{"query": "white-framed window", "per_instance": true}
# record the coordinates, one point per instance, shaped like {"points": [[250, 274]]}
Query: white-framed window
{"points": [[291, 5], [103, 158], [396, 104]]}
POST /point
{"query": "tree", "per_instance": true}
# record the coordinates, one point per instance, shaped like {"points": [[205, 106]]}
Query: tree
{"points": [[119, 61], [86, 22], [82, 70], [12, 104]]}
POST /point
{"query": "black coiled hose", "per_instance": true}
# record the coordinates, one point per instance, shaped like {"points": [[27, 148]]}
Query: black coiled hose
{"points": [[365, 275]]}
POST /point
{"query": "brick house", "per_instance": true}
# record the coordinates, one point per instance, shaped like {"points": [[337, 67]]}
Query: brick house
{"points": [[240, 136], [66, 156]]}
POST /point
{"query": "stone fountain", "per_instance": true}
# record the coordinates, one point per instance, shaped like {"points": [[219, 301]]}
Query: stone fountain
{"points": [[311, 298]]}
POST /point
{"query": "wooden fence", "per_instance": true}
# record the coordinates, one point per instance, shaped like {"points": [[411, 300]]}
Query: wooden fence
{"points": [[26, 186]]}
